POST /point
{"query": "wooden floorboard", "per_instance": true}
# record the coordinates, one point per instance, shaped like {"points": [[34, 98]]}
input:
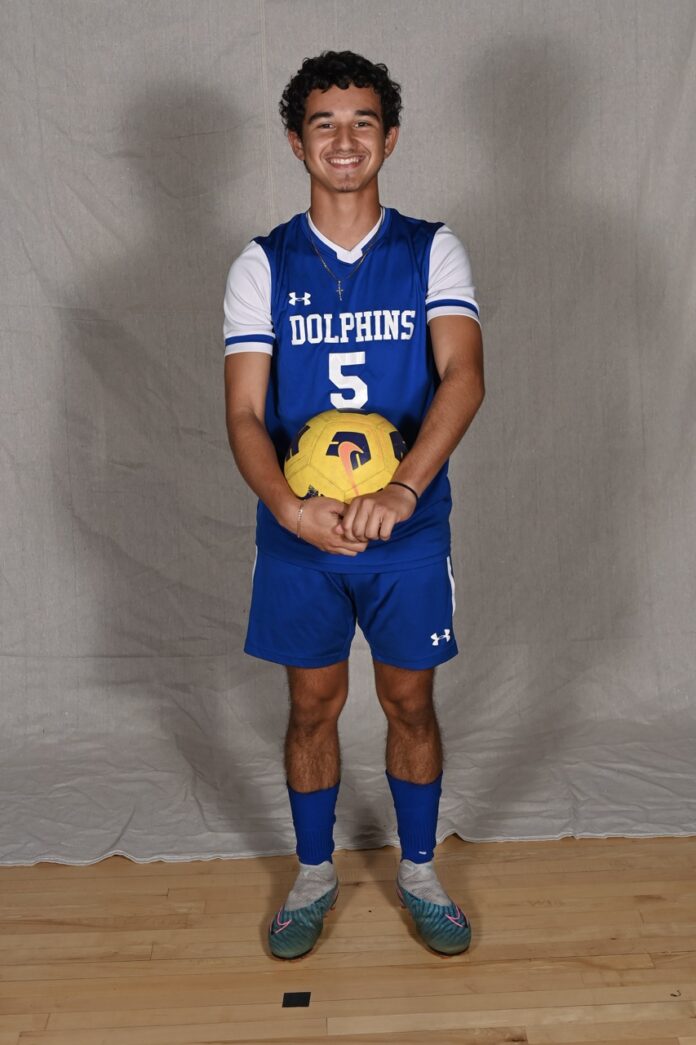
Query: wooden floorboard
{"points": [[574, 941]]}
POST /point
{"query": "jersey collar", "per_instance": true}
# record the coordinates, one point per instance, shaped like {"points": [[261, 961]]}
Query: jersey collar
{"points": [[341, 253]]}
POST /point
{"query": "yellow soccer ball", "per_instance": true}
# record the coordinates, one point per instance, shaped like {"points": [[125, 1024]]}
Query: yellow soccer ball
{"points": [[343, 454]]}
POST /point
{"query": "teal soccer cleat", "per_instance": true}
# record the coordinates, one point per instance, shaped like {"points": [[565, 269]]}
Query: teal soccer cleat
{"points": [[445, 930], [292, 934]]}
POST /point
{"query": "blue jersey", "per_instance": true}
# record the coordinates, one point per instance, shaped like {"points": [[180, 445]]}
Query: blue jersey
{"points": [[364, 345]]}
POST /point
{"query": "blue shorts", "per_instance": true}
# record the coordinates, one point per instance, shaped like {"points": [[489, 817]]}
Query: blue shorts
{"points": [[306, 617]]}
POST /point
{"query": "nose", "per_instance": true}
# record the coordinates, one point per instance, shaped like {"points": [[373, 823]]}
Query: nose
{"points": [[344, 136]]}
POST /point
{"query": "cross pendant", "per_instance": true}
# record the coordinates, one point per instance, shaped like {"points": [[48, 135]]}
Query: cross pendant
{"points": [[339, 290]]}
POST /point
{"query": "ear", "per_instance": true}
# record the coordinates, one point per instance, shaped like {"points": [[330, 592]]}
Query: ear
{"points": [[391, 140], [296, 144]]}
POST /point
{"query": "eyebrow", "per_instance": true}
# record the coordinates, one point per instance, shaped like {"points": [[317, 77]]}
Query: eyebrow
{"points": [[358, 112]]}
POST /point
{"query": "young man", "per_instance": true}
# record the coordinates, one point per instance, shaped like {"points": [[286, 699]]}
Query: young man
{"points": [[352, 305]]}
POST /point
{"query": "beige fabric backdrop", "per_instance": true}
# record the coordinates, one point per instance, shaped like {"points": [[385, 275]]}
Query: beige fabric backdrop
{"points": [[141, 149]]}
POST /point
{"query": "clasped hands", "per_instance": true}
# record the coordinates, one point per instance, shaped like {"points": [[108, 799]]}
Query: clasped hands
{"points": [[342, 529]]}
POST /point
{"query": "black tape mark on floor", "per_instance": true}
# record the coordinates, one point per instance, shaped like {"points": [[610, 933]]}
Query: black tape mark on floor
{"points": [[296, 999]]}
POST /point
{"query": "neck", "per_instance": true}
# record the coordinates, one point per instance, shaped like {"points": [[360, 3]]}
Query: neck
{"points": [[344, 218]]}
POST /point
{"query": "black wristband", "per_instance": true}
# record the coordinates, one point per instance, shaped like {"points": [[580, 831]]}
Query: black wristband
{"points": [[395, 482]]}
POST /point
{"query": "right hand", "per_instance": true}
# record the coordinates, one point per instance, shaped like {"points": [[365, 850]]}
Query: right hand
{"points": [[319, 518]]}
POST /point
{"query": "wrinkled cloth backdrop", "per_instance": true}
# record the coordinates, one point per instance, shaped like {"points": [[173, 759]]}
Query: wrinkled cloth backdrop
{"points": [[141, 149]]}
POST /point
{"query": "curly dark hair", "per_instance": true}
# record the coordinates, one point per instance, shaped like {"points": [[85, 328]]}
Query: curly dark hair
{"points": [[340, 69]]}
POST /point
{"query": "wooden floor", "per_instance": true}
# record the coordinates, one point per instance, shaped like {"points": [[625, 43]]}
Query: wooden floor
{"points": [[590, 940]]}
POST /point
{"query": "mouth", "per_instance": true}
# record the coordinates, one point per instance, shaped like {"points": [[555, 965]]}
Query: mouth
{"points": [[345, 163]]}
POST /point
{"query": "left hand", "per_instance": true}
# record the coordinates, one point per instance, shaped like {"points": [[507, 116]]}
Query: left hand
{"points": [[374, 515]]}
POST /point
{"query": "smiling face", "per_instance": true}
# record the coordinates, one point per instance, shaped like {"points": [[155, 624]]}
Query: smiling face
{"points": [[343, 144]]}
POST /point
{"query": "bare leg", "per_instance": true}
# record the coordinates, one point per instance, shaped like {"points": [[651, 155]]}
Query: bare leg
{"points": [[414, 745], [312, 757], [414, 752], [317, 697]]}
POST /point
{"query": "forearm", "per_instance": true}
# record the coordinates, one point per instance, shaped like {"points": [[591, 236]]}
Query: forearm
{"points": [[451, 411], [256, 459]]}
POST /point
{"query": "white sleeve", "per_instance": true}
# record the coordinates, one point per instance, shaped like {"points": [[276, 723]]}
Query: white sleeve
{"points": [[450, 288], [248, 326]]}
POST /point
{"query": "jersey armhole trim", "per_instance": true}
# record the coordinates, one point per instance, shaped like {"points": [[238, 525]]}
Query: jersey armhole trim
{"points": [[236, 339], [461, 302]]}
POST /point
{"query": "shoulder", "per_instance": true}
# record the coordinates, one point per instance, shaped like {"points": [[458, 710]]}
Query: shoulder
{"points": [[252, 267], [415, 228], [252, 259], [280, 235], [451, 289], [449, 252], [249, 274], [247, 302]]}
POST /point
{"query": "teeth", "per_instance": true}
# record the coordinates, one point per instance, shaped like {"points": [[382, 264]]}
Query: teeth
{"points": [[345, 163]]}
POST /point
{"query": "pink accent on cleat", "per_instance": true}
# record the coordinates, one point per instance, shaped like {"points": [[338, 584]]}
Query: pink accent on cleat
{"points": [[281, 925], [456, 921]]}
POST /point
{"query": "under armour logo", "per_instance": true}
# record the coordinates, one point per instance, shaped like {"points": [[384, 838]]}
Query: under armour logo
{"points": [[436, 638], [305, 298]]}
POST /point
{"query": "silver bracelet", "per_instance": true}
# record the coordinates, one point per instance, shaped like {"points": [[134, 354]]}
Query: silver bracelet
{"points": [[299, 520]]}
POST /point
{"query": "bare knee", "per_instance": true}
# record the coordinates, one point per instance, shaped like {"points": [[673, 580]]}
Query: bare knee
{"points": [[317, 696], [406, 696], [409, 712]]}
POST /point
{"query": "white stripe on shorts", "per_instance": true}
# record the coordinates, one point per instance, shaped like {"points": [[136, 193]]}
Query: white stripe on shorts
{"points": [[253, 568], [451, 577]]}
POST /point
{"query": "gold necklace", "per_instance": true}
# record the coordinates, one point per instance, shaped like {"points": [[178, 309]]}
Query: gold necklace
{"points": [[339, 283]]}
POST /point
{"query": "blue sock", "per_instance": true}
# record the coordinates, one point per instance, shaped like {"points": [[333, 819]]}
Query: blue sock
{"points": [[416, 816], [313, 816]]}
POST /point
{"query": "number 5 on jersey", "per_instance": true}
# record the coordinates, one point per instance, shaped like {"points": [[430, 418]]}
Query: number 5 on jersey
{"points": [[337, 360]]}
